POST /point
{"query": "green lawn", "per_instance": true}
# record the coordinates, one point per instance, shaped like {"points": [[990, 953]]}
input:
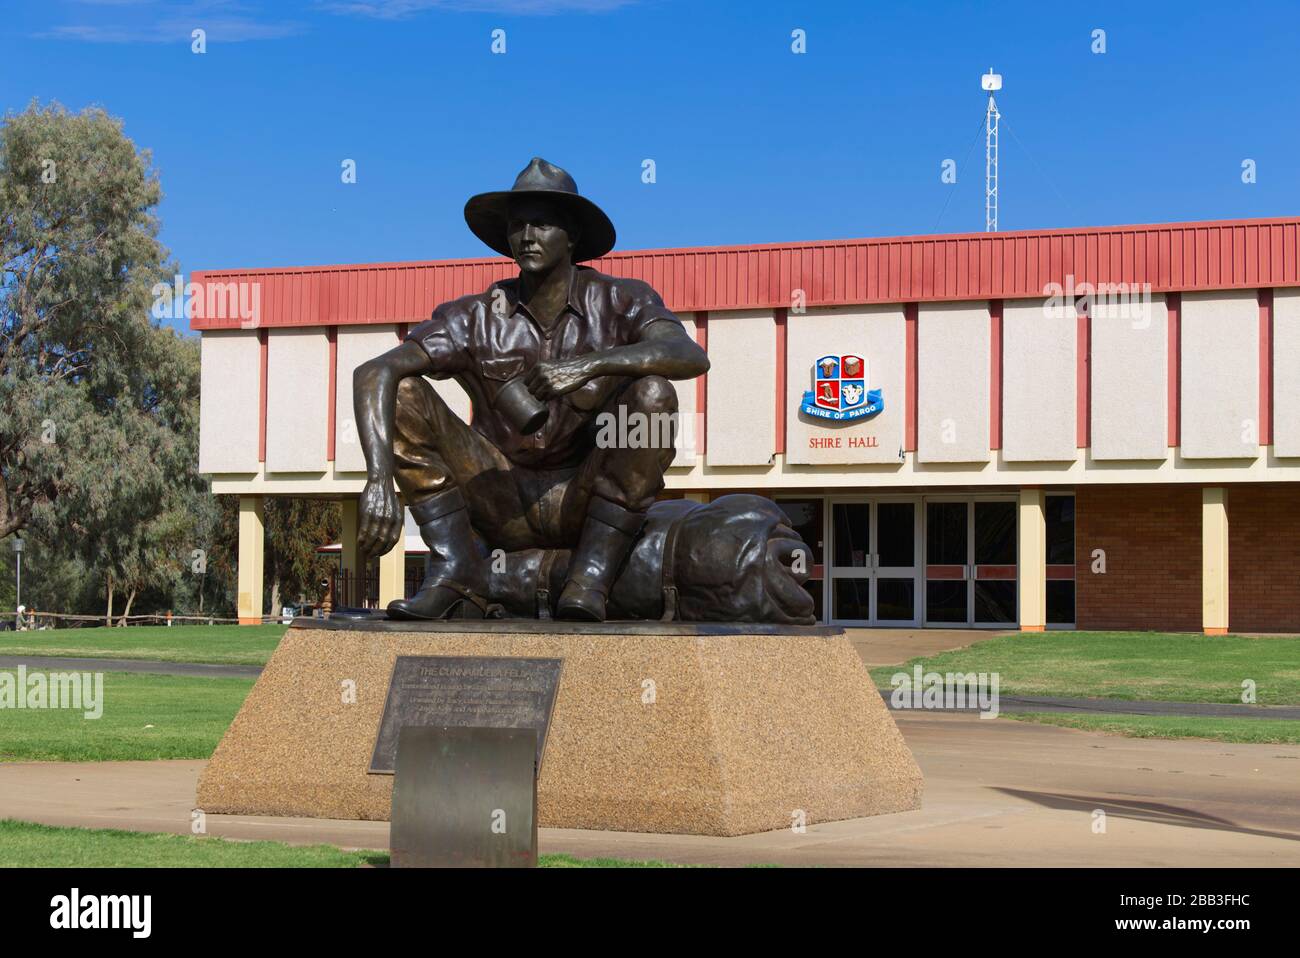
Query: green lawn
{"points": [[27, 845], [144, 717], [218, 644], [1127, 665], [23, 844], [1246, 730]]}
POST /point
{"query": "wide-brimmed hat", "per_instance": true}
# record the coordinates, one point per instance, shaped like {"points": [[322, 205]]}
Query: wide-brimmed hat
{"points": [[488, 213]]}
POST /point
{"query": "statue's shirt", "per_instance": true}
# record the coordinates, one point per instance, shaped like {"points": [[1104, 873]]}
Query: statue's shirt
{"points": [[485, 340]]}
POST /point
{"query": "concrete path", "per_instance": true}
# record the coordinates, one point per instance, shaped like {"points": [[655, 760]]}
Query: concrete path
{"points": [[893, 646], [59, 663], [997, 793]]}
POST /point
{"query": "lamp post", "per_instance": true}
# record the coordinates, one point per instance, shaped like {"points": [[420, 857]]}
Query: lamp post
{"points": [[18, 589]]}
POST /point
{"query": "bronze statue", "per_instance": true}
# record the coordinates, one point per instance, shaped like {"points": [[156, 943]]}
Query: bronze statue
{"points": [[549, 359]]}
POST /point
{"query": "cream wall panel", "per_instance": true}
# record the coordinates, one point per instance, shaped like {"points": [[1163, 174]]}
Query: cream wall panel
{"points": [[741, 411], [454, 395], [356, 344], [1038, 383], [1130, 372], [229, 398], [688, 428], [1219, 402], [297, 399], [953, 382], [877, 333], [1286, 372]]}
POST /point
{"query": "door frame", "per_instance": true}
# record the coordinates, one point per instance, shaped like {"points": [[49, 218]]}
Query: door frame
{"points": [[969, 567], [871, 572]]}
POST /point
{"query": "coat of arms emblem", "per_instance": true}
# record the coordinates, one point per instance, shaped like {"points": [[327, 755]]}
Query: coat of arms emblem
{"points": [[840, 389]]}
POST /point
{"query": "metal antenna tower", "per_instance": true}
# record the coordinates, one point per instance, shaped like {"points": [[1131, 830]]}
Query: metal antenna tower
{"points": [[991, 82]]}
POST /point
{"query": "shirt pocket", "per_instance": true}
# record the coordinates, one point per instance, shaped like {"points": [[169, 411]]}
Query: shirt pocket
{"points": [[502, 370]]}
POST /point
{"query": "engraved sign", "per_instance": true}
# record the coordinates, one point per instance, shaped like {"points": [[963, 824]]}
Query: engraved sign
{"points": [[469, 691]]}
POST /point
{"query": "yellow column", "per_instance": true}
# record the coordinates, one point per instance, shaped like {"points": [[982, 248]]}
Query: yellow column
{"points": [[352, 562], [1032, 529], [252, 545], [392, 570], [1214, 560]]}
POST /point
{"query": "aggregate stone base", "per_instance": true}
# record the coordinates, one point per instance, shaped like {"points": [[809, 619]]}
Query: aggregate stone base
{"points": [[737, 734]]}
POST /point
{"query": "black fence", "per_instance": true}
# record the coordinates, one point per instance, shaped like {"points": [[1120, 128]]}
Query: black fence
{"points": [[360, 590]]}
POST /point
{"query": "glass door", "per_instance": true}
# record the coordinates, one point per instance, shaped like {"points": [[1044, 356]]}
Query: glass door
{"points": [[970, 562], [851, 562], [994, 540], [947, 562], [894, 570], [873, 573]]}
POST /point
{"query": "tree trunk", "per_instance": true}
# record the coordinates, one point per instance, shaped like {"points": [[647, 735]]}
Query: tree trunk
{"points": [[127, 611], [108, 613], [275, 596]]}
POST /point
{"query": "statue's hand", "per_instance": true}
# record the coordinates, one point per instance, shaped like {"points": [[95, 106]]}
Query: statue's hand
{"points": [[547, 380], [379, 518]]}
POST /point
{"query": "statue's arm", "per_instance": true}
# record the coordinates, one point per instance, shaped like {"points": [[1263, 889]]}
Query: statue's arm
{"points": [[374, 404], [664, 348]]}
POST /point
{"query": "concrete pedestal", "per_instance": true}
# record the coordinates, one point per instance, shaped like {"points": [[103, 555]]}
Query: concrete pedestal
{"points": [[704, 730]]}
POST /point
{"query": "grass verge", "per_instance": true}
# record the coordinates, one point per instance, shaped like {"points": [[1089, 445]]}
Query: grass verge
{"points": [[28, 845], [1126, 665], [214, 644], [144, 717], [1239, 730]]}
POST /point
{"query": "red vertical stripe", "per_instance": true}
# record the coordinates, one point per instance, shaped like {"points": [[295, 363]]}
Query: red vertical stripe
{"points": [[910, 384], [702, 386], [995, 374], [1266, 367], [332, 334], [261, 394], [779, 315], [1082, 378], [1173, 304]]}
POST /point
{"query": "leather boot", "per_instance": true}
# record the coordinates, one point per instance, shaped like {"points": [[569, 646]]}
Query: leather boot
{"points": [[457, 588], [607, 538]]}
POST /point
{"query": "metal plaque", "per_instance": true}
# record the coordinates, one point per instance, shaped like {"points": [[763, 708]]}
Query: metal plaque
{"points": [[465, 798], [466, 691]]}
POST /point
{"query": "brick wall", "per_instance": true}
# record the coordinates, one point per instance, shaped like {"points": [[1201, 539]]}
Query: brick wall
{"points": [[1152, 539], [1264, 558]]}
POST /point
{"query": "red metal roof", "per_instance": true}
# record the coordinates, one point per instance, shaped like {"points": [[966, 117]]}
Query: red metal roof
{"points": [[1224, 254]]}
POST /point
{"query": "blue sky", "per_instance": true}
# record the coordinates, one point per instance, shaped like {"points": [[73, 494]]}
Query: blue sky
{"points": [[752, 142]]}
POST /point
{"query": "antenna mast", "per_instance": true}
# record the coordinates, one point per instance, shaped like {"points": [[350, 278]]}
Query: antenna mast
{"points": [[991, 82]]}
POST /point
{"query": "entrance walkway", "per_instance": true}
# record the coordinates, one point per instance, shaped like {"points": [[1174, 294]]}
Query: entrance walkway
{"points": [[996, 793], [894, 646]]}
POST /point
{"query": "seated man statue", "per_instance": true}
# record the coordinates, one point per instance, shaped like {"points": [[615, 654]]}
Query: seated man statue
{"points": [[541, 356]]}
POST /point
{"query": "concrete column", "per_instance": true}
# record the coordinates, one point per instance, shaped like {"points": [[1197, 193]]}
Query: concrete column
{"points": [[252, 551], [1214, 560], [392, 571], [1031, 527], [701, 497]]}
